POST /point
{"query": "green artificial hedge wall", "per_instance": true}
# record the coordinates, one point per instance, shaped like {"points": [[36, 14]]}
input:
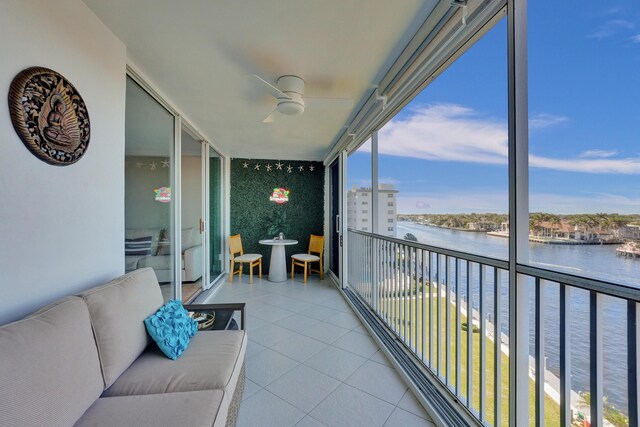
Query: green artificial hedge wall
{"points": [[255, 217]]}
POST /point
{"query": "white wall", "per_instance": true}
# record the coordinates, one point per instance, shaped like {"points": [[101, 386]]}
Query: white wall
{"points": [[61, 228]]}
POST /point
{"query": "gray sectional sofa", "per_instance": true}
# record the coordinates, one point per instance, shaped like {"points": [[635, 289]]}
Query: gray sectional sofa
{"points": [[86, 360]]}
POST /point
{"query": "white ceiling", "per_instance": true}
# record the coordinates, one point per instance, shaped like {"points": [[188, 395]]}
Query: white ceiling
{"points": [[200, 54]]}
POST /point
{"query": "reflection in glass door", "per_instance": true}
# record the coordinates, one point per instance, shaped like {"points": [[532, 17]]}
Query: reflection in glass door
{"points": [[192, 218], [215, 222], [149, 180]]}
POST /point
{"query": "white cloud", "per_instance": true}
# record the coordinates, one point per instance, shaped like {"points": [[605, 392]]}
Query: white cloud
{"points": [[589, 154], [488, 200], [544, 120], [445, 132], [611, 28], [636, 38], [450, 132], [616, 166]]}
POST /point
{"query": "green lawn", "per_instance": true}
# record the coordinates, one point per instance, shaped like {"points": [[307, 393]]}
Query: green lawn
{"points": [[413, 312]]}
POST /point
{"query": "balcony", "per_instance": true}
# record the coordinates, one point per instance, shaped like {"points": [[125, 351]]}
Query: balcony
{"points": [[403, 333], [310, 361]]}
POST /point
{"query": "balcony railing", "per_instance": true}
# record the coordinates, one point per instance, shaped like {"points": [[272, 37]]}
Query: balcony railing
{"points": [[450, 310]]}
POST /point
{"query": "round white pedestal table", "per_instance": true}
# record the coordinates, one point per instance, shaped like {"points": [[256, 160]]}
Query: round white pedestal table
{"points": [[278, 264]]}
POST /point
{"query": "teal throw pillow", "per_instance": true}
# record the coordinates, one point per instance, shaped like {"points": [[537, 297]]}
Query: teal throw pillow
{"points": [[171, 328]]}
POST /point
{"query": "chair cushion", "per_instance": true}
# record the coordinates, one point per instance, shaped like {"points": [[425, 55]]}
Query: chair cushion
{"points": [[117, 311], [49, 366], [196, 408], [247, 258], [171, 328], [306, 257], [213, 359]]}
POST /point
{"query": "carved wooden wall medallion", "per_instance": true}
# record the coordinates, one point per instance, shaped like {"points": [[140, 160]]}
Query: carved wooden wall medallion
{"points": [[49, 116]]}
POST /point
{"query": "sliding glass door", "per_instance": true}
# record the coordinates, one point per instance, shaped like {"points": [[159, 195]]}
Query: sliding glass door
{"points": [[149, 181], [201, 215], [335, 235], [215, 216], [173, 182], [192, 237]]}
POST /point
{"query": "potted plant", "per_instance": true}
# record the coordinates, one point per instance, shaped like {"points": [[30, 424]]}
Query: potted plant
{"points": [[277, 223]]}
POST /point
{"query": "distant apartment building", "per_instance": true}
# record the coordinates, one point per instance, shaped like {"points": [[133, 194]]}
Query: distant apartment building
{"points": [[359, 209]]}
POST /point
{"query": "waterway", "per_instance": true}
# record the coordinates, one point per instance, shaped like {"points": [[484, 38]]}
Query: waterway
{"points": [[594, 261]]}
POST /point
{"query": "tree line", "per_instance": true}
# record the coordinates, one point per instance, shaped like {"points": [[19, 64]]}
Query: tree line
{"points": [[536, 219]]}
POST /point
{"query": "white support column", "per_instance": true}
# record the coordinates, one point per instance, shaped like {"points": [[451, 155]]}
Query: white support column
{"points": [[518, 212], [375, 215], [374, 184]]}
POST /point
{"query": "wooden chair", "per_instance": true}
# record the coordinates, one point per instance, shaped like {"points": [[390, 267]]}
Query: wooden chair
{"points": [[235, 247], [316, 246]]}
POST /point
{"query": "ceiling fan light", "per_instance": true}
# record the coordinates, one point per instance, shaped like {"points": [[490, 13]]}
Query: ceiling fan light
{"points": [[290, 107]]}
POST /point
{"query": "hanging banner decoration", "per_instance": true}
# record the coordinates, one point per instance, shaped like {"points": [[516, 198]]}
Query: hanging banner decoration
{"points": [[163, 194], [279, 195]]}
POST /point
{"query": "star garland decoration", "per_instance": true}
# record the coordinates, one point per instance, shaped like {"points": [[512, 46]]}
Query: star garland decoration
{"points": [[269, 167]]}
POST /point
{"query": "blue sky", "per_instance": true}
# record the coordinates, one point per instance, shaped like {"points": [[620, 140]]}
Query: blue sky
{"points": [[446, 151]]}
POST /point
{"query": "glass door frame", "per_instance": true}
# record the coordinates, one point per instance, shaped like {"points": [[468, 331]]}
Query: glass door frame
{"points": [[336, 227], [207, 148], [205, 220], [176, 185]]}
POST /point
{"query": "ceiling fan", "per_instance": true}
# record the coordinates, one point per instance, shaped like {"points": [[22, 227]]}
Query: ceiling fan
{"points": [[289, 95]]}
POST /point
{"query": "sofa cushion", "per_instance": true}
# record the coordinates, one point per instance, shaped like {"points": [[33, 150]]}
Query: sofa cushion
{"points": [[131, 262], [49, 366], [117, 311], [171, 328], [196, 408], [155, 233], [160, 262], [140, 246], [213, 361]]}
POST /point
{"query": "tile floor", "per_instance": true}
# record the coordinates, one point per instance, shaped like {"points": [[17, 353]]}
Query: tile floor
{"points": [[310, 362]]}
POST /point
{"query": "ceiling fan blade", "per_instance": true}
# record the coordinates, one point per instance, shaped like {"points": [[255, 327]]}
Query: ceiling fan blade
{"points": [[277, 93], [337, 103], [272, 116]]}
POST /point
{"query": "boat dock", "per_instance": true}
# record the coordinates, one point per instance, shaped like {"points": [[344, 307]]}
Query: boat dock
{"points": [[630, 249]]}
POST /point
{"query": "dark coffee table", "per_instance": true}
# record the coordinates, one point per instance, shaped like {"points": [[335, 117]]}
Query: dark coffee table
{"points": [[224, 315]]}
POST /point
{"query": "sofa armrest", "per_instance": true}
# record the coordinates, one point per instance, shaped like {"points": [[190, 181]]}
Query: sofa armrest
{"points": [[235, 306], [192, 263]]}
